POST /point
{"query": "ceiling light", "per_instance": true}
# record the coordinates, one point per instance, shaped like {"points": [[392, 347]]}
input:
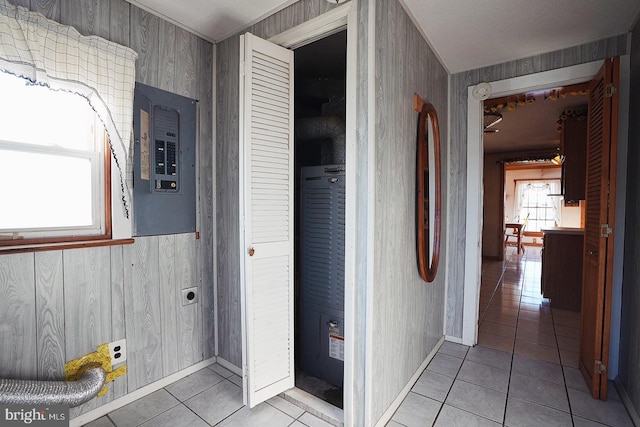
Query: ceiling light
{"points": [[491, 119], [336, 1]]}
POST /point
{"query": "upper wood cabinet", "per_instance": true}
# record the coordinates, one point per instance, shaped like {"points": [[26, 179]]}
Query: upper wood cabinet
{"points": [[573, 145]]}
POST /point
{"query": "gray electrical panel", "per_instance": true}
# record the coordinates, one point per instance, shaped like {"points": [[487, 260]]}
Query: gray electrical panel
{"points": [[322, 219], [164, 173]]}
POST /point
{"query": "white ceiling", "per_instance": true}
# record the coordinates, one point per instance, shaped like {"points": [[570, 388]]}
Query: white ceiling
{"points": [[531, 126], [465, 34], [478, 33], [213, 20]]}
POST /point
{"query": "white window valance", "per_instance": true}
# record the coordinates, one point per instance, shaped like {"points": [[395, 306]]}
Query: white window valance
{"points": [[59, 57]]}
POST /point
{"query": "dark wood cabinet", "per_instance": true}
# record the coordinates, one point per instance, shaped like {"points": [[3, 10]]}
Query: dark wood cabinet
{"points": [[573, 145], [562, 267]]}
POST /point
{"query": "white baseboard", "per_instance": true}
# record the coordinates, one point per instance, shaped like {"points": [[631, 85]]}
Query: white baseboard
{"points": [[230, 366], [626, 400], [453, 339], [94, 414], [388, 414]]}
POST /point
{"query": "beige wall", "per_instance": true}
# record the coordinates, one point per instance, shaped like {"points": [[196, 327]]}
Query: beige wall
{"points": [[570, 215], [493, 215]]}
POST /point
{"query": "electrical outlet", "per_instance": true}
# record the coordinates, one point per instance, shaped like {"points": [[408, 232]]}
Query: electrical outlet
{"points": [[189, 295], [118, 351]]}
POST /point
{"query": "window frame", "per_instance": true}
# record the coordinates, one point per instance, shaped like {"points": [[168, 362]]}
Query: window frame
{"points": [[97, 151], [57, 235], [521, 209], [101, 211]]}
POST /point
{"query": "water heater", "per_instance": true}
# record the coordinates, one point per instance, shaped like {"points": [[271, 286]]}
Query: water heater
{"points": [[322, 220]]}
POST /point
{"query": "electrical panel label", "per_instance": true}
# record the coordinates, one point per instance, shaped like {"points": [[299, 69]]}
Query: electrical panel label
{"points": [[336, 347], [144, 145]]}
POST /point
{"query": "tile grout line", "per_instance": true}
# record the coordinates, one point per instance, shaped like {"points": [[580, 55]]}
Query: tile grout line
{"points": [[157, 415], [448, 392], [500, 280], [189, 409], [234, 412], [564, 378], [560, 364], [513, 350]]}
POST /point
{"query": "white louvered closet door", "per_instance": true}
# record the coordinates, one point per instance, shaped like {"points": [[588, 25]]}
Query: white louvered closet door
{"points": [[266, 150]]}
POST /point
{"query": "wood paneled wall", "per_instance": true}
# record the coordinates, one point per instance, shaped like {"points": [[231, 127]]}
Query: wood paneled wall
{"points": [[629, 369], [60, 305], [227, 162], [364, 95], [407, 313], [457, 173]]}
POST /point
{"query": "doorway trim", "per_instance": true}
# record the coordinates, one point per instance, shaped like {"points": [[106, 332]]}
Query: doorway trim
{"points": [[314, 29], [473, 248], [338, 19]]}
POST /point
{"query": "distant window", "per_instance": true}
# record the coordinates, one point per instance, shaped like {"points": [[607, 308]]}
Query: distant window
{"points": [[52, 165], [533, 200]]}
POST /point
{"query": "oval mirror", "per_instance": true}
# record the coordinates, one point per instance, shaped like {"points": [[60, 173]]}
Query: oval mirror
{"points": [[428, 193]]}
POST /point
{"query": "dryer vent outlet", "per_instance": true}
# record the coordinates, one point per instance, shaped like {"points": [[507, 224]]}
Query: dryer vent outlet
{"points": [[189, 296]]}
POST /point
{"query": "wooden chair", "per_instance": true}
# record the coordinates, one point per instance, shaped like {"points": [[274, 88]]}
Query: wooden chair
{"points": [[517, 231]]}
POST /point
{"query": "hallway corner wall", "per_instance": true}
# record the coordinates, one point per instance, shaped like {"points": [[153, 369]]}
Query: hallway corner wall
{"points": [[407, 314], [629, 362]]}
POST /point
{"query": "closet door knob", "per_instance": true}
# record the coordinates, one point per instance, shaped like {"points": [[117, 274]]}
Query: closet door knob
{"points": [[251, 251]]}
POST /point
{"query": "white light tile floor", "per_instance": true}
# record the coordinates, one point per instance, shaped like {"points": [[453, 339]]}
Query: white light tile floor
{"points": [[521, 373], [209, 397], [523, 370]]}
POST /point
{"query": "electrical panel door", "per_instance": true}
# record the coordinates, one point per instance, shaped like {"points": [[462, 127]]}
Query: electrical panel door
{"points": [[164, 178]]}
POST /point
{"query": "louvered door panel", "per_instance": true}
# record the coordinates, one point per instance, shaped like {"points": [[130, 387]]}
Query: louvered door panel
{"points": [[594, 165], [598, 248], [266, 144], [271, 334]]}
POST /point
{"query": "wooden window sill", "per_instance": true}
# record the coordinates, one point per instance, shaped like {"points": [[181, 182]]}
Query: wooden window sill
{"points": [[17, 249]]}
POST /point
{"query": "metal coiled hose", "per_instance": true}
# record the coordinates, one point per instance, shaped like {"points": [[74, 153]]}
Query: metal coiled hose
{"points": [[72, 393]]}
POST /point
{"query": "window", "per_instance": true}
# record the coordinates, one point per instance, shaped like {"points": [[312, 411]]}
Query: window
{"points": [[59, 186], [533, 200], [53, 166]]}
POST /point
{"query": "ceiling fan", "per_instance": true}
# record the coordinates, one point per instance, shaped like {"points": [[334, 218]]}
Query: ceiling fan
{"points": [[491, 119]]}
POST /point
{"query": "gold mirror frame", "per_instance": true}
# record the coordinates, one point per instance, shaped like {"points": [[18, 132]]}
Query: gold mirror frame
{"points": [[427, 261]]}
